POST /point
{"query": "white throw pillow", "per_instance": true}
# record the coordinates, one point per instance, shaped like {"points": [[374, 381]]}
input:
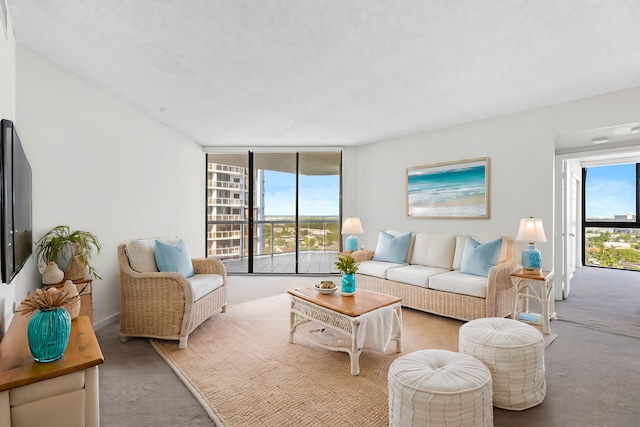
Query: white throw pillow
{"points": [[141, 253]]}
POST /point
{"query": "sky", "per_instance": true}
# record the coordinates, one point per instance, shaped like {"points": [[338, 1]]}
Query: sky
{"points": [[319, 195], [610, 191]]}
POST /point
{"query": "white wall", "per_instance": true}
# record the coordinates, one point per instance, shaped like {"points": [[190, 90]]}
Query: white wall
{"points": [[521, 151], [7, 72], [7, 111], [104, 167], [101, 166]]}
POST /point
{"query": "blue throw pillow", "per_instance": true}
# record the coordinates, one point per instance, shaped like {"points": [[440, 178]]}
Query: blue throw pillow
{"points": [[392, 248], [174, 258], [478, 258]]}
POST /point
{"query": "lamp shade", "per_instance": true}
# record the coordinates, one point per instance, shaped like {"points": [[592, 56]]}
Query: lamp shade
{"points": [[352, 225], [531, 231]]}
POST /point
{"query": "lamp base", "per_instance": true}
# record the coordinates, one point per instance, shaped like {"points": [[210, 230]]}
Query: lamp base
{"points": [[532, 271], [351, 244], [531, 260]]}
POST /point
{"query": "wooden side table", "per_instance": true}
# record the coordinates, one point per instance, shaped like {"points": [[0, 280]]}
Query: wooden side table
{"points": [[537, 287]]}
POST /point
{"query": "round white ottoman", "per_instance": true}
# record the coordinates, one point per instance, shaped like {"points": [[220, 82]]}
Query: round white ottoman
{"points": [[514, 353], [439, 388]]}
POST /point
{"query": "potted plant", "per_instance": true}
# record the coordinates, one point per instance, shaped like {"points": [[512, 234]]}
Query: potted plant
{"points": [[75, 246], [347, 265]]}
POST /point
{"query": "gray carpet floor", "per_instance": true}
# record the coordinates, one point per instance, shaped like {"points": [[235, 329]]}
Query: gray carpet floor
{"points": [[592, 368]]}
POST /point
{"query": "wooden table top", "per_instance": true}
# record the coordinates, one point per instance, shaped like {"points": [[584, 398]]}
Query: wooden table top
{"points": [[18, 368], [355, 305], [521, 274]]}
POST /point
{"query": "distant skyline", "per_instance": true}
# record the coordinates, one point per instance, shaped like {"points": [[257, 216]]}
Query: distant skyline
{"points": [[610, 191], [319, 194]]}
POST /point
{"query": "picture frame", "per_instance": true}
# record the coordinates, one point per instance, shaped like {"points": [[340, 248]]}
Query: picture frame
{"points": [[457, 189]]}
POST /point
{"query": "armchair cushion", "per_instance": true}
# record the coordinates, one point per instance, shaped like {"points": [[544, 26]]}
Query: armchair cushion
{"points": [[174, 258], [141, 253], [202, 284]]}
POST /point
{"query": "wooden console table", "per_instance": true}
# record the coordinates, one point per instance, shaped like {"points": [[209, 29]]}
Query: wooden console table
{"points": [[22, 375]]}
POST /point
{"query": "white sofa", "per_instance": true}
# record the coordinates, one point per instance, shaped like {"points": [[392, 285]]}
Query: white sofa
{"points": [[462, 277]]}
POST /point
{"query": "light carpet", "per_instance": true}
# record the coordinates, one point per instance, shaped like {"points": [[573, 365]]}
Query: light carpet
{"points": [[243, 371]]}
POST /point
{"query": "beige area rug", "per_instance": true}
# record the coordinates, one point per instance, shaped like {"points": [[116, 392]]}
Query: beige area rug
{"points": [[242, 369]]}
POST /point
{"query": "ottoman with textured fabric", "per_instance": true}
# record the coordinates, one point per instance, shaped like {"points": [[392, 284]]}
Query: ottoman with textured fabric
{"points": [[514, 353], [439, 388]]}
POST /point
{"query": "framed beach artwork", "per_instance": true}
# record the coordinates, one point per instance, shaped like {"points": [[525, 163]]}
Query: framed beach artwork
{"points": [[449, 190]]}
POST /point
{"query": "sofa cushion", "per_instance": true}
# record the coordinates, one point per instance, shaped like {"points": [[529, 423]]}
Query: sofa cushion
{"points": [[478, 258], [411, 243], [417, 275], [505, 250], [203, 284], [141, 253], [377, 268], [392, 248], [175, 258], [460, 283], [434, 250]]}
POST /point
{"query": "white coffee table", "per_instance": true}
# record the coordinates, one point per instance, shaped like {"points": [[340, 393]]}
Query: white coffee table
{"points": [[342, 314]]}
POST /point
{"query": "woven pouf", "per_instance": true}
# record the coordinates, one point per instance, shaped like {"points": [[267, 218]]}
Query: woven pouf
{"points": [[439, 388], [514, 353]]}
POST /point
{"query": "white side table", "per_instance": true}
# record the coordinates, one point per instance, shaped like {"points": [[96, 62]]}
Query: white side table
{"points": [[538, 287]]}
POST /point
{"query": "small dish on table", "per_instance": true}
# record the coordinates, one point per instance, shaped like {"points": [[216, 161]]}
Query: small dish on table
{"points": [[325, 287]]}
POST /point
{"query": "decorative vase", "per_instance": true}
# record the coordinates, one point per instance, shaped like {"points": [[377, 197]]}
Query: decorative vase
{"points": [[348, 284], [48, 334], [75, 270], [52, 275], [72, 307]]}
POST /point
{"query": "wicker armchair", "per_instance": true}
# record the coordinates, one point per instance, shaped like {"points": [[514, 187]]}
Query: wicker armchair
{"points": [[160, 305]]}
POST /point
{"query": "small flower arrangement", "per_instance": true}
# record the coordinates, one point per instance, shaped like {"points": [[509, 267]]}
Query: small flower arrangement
{"points": [[47, 300], [346, 264]]}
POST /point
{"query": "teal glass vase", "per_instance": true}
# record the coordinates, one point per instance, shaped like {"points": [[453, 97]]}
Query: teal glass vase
{"points": [[348, 284], [48, 334]]}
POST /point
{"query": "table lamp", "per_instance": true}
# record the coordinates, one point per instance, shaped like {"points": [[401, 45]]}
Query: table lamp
{"points": [[531, 231], [352, 226]]}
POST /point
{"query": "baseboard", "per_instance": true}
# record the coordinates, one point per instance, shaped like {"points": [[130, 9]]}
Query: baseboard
{"points": [[109, 320]]}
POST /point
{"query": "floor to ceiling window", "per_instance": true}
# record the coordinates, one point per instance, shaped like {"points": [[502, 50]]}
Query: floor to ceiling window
{"points": [[611, 224], [274, 212]]}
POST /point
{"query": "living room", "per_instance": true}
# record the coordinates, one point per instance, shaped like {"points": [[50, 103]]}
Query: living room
{"points": [[100, 164]]}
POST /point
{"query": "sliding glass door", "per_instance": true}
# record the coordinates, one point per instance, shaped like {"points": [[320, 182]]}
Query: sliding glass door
{"points": [[318, 211], [275, 220], [274, 212]]}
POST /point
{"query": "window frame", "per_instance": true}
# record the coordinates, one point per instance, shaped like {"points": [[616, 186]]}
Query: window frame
{"points": [[606, 224]]}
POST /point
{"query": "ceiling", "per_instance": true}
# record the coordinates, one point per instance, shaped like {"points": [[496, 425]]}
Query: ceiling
{"points": [[335, 73]]}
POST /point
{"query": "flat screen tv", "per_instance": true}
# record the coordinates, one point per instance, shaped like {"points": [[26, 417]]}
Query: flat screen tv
{"points": [[15, 201]]}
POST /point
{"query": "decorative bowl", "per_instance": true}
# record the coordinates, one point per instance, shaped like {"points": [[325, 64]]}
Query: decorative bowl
{"points": [[326, 291]]}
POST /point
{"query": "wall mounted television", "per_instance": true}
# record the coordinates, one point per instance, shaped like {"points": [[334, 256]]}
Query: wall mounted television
{"points": [[15, 203]]}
